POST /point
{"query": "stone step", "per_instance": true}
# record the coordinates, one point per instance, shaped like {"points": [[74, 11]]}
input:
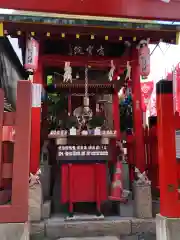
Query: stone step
{"points": [[123, 228], [130, 237], [91, 238], [56, 228]]}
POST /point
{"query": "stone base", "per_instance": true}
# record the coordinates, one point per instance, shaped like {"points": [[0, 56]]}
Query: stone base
{"points": [[125, 176], [35, 202], [167, 228], [58, 228], [14, 231], [45, 179], [126, 209], [46, 210], [142, 200], [155, 207], [37, 230], [139, 237]]}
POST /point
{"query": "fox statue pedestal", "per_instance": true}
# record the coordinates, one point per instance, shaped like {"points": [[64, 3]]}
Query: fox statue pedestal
{"points": [[142, 200], [35, 199], [45, 179]]}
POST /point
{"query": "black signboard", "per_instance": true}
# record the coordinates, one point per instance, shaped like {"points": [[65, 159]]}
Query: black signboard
{"points": [[81, 47], [82, 153]]}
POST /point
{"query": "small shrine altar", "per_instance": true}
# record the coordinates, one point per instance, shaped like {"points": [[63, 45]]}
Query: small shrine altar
{"points": [[83, 165], [83, 142]]}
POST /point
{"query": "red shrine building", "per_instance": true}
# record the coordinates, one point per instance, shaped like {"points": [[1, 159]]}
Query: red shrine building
{"points": [[78, 146]]}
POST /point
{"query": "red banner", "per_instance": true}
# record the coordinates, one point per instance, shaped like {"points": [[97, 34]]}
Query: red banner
{"points": [[146, 91]]}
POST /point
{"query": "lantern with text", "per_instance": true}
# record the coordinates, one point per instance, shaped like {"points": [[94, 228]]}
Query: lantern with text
{"points": [[144, 58], [32, 52], [146, 91]]}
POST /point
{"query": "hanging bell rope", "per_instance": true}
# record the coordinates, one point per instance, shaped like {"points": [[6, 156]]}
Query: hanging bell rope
{"points": [[86, 98]]}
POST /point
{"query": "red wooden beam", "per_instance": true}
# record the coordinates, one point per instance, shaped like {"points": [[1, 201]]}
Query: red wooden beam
{"points": [[7, 170], [1, 131], [85, 31], [137, 114], [12, 214], [21, 161], [145, 9], [8, 134], [36, 126], [18, 210], [9, 118]]}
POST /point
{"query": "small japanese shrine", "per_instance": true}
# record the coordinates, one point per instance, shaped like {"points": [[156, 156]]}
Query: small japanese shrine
{"points": [[89, 153]]}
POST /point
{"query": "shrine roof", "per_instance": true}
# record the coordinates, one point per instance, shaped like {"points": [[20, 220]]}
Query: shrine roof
{"points": [[54, 26], [143, 9]]}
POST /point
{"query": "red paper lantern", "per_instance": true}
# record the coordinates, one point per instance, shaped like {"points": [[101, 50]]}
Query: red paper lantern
{"points": [[32, 53]]}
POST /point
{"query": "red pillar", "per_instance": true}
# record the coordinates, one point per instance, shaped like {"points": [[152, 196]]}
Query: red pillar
{"points": [[116, 120], [178, 87], [137, 113], [166, 150], [36, 125], [20, 178], [116, 114]]}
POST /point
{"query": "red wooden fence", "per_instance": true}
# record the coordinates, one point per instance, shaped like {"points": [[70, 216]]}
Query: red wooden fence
{"points": [[151, 150], [151, 155], [16, 168]]}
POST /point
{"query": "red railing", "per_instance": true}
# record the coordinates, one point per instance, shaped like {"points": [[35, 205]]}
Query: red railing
{"points": [[151, 145], [151, 153], [14, 170], [131, 156]]}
